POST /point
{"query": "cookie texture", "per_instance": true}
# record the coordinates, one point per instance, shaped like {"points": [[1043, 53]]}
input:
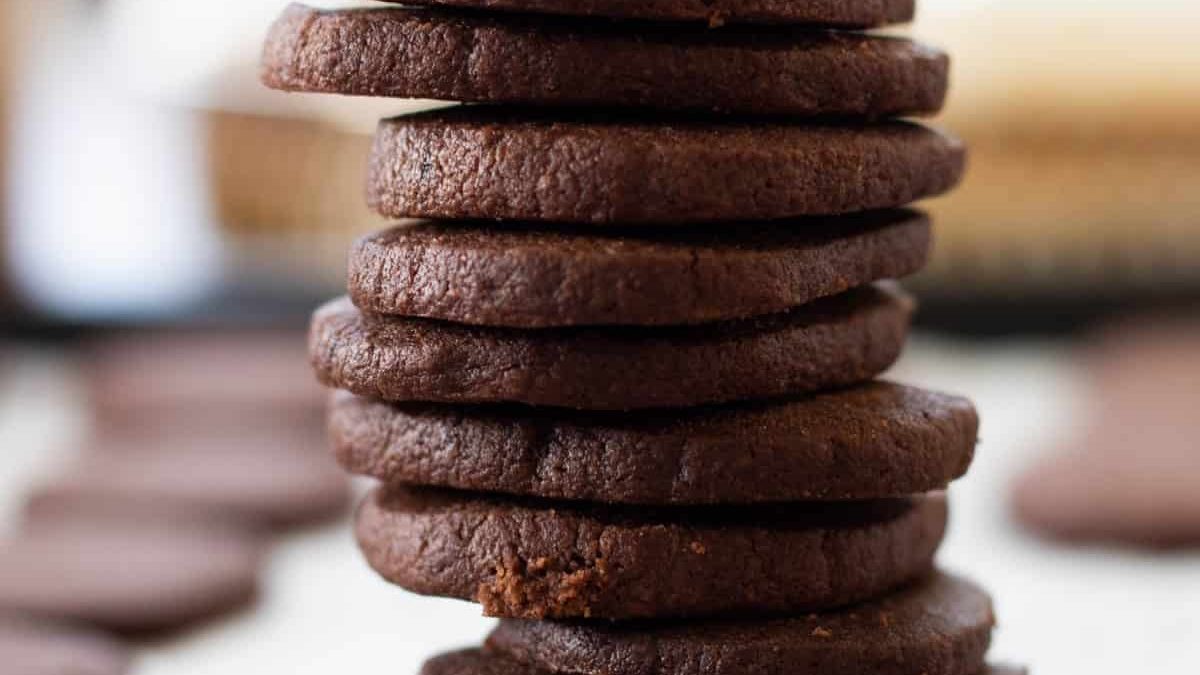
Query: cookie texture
{"points": [[836, 13], [125, 575], [837, 341], [480, 162], [415, 53], [536, 559], [490, 662], [534, 277], [941, 626], [876, 440]]}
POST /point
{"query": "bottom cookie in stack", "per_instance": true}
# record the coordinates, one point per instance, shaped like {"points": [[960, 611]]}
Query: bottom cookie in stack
{"points": [[939, 625], [491, 662]]}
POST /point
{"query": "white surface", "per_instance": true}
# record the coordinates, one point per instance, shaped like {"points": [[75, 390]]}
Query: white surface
{"points": [[85, 152], [1065, 611]]}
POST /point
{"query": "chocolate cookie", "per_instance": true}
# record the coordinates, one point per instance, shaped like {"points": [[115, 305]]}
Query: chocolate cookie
{"points": [[836, 341], [534, 277], [490, 662], [37, 648], [247, 482], [136, 378], [836, 13], [876, 440], [941, 626], [126, 575], [1130, 474], [415, 53], [536, 559], [481, 162]]}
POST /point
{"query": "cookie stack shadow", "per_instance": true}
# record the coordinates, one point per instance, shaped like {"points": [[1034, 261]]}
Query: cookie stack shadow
{"points": [[618, 380]]}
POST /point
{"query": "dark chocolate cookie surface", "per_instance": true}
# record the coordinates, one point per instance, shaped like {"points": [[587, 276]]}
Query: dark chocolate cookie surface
{"points": [[940, 626], [875, 440], [838, 13], [534, 277], [415, 53], [484, 163], [832, 342], [536, 559], [490, 662]]}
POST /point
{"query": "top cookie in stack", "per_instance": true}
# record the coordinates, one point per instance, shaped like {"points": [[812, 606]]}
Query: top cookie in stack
{"points": [[620, 368]]}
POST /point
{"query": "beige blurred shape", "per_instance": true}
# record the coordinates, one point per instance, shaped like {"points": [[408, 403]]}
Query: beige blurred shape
{"points": [[290, 194], [1085, 150]]}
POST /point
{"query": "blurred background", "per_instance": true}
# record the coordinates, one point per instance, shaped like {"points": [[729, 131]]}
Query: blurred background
{"points": [[156, 200]]}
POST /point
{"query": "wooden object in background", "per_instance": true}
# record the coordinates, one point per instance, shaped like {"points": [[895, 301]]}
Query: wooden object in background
{"points": [[288, 194], [1085, 152]]}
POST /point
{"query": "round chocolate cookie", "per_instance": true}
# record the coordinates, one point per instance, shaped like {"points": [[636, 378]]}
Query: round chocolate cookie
{"points": [[126, 575], [832, 342], [536, 559], [834, 13], [160, 377], [415, 53], [251, 480], [490, 662], [485, 163], [876, 440], [37, 648], [535, 277], [940, 626]]}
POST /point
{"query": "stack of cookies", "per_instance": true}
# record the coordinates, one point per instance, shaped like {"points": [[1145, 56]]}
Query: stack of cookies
{"points": [[617, 381]]}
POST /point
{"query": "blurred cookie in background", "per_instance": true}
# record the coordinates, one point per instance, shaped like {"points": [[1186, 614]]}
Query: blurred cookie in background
{"points": [[127, 575], [256, 480], [1132, 473], [29, 647], [216, 424], [205, 379]]}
